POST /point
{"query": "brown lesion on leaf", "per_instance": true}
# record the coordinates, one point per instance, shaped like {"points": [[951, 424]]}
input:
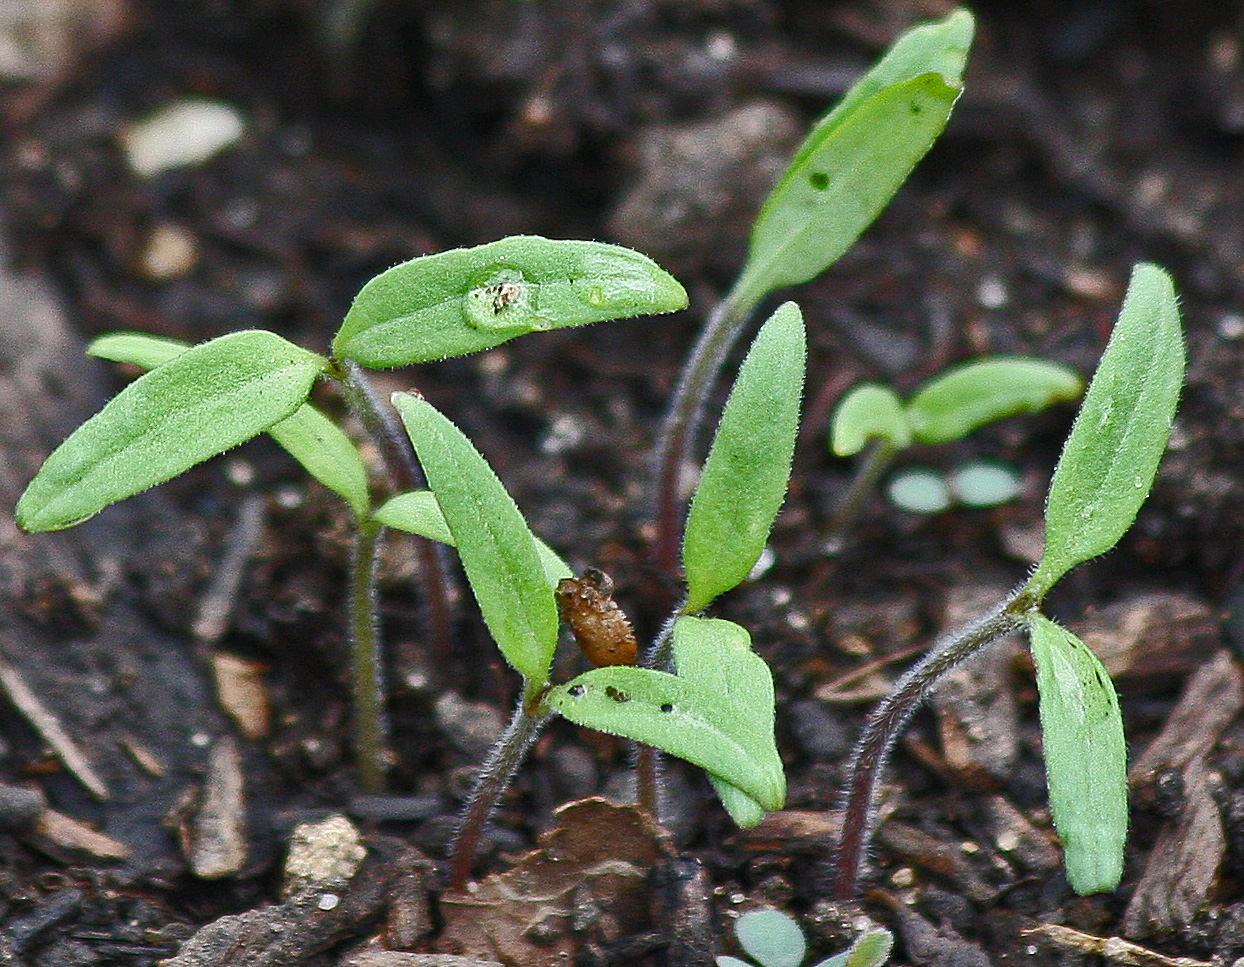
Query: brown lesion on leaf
{"points": [[600, 627]]}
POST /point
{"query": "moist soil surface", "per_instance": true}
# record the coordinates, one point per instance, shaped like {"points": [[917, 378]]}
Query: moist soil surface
{"points": [[174, 674]]}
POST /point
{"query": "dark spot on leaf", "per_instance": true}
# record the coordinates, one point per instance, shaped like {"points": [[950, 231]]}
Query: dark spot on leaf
{"points": [[916, 108], [667, 708], [819, 180], [616, 694], [575, 691]]}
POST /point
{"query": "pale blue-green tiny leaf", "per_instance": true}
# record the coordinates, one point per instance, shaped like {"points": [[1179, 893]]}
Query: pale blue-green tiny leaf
{"points": [[136, 348], [918, 490], [465, 300], [417, 512], [497, 549], [871, 949], [983, 483], [1112, 453], [771, 938], [855, 159], [681, 717], [869, 411], [718, 655], [326, 453], [198, 404], [307, 435], [725, 960], [963, 398], [745, 475], [1085, 755]]}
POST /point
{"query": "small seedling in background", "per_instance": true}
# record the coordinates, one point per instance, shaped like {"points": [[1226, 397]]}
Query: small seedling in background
{"points": [[874, 419], [1103, 476], [774, 939]]}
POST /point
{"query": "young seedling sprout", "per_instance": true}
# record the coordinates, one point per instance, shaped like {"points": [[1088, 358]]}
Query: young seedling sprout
{"points": [[1105, 473], [874, 419], [773, 939]]}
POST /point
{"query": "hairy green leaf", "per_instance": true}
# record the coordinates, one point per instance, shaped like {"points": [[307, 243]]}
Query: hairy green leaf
{"points": [[417, 512], [748, 466], [198, 404], [718, 654], [954, 403], [1112, 453], [771, 938], [870, 949], [1085, 755], [326, 453], [855, 159], [465, 300], [869, 411], [309, 436], [136, 348], [497, 549], [683, 718]]}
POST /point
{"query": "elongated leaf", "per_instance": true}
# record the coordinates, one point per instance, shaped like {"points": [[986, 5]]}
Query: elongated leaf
{"points": [[1085, 755], [497, 549], [201, 403], [748, 466], [718, 655], [465, 300], [307, 435], [1112, 453], [687, 720], [417, 512], [869, 411], [854, 160], [136, 348], [870, 949], [954, 403], [326, 453]]}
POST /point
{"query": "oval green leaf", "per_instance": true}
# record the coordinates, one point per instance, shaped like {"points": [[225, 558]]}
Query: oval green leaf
{"points": [[718, 655], [964, 398], [465, 300], [745, 475], [1085, 755], [855, 159], [1112, 453], [417, 512], [869, 411], [308, 436], [497, 548], [685, 719], [771, 938], [198, 404]]}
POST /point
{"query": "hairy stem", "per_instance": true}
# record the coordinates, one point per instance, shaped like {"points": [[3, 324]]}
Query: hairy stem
{"points": [[682, 422], [871, 466], [648, 757], [872, 750], [506, 756], [370, 724]]}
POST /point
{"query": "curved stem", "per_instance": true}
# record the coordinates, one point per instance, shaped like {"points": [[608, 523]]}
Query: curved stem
{"points": [[876, 741], [870, 468], [370, 724], [682, 421], [506, 756], [648, 757]]}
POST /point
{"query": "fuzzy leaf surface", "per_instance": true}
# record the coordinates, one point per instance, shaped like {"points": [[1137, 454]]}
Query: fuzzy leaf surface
{"points": [[497, 548], [868, 411], [417, 512], [468, 299], [308, 436], [200, 403], [718, 654], [771, 938], [745, 475], [1085, 755], [685, 719], [1112, 453], [964, 398], [854, 160]]}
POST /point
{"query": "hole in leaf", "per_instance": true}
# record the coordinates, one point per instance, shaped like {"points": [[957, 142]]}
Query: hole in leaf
{"points": [[819, 180], [616, 694], [575, 691], [667, 708]]}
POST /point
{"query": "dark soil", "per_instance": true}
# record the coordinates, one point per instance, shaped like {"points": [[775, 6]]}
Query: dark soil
{"points": [[1091, 135]]}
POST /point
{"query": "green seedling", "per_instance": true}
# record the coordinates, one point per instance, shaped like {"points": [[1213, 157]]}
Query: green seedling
{"points": [[873, 418], [846, 171], [1105, 473], [196, 402], [774, 939]]}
